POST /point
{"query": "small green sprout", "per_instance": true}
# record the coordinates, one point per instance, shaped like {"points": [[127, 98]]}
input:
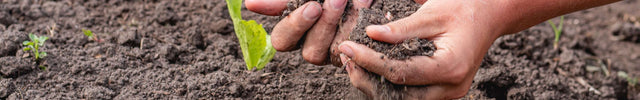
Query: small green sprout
{"points": [[90, 35], [35, 44], [632, 80], [557, 30], [42, 68], [255, 43]]}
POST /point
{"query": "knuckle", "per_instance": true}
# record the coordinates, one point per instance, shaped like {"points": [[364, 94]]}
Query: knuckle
{"points": [[397, 74], [397, 78], [313, 57], [331, 21]]}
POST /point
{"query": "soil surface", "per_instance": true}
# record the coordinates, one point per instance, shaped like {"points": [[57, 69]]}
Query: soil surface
{"points": [[186, 49]]}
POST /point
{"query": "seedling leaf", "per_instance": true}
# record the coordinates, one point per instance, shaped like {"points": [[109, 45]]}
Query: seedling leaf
{"points": [[632, 81], [43, 54], [557, 30], [254, 41], [88, 33], [34, 45]]}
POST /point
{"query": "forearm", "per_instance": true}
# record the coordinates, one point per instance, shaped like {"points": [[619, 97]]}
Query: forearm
{"points": [[522, 14]]}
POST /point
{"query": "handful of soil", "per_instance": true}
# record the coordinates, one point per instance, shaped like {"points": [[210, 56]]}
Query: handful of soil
{"points": [[382, 12], [385, 11]]}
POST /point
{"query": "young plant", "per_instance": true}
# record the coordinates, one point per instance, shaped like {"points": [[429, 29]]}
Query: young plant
{"points": [[90, 35], [557, 30], [632, 80], [35, 44], [254, 41]]}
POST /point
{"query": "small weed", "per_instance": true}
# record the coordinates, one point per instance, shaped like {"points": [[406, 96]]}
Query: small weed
{"points": [[557, 30], [90, 35], [632, 80], [42, 68], [34, 45]]}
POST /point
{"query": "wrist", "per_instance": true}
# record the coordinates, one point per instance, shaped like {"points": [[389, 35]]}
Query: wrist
{"points": [[519, 15]]}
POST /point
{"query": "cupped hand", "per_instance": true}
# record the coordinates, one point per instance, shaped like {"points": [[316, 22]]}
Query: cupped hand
{"points": [[317, 23], [462, 33]]}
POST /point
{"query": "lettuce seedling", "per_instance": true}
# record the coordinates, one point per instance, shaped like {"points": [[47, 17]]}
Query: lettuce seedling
{"points": [[35, 44], [557, 30], [254, 40]]}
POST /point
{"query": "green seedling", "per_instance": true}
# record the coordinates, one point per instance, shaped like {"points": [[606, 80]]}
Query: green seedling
{"points": [[557, 30], [254, 41], [35, 44], [42, 68], [90, 35], [632, 80]]}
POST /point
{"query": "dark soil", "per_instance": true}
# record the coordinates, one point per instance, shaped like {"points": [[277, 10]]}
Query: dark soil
{"points": [[382, 12], [186, 49], [295, 4], [151, 49], [385, 11]]}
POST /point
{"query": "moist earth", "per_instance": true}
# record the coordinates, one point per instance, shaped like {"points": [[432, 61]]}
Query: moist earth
{"points": [[382, 12], [186, 49]]}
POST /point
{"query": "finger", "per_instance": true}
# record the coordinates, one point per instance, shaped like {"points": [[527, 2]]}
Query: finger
{"points": [[267, 7], [318, 39], [358, 77], [347, 25], [288, 31], [420, 1], [358, 4], [417, 25], [418, 70]]}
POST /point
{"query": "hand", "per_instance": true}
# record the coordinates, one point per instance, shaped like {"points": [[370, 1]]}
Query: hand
{"points": [[462, 33], [319, 23]]}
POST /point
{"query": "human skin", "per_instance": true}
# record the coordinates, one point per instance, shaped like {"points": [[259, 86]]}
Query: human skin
{"points": [[318, 22], [463, 31]]}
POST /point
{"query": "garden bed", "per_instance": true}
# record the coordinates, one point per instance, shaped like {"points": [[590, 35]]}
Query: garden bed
{"points": [[159, 49]]}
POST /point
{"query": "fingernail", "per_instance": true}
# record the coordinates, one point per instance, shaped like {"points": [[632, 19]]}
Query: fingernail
{"points": [[343, 58], [345, 63], [364, 1], [338, 4], [346, 50], [312, 11], [384, 29]]}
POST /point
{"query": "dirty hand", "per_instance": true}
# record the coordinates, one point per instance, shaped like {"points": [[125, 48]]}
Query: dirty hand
{"points": [[462, 33], [318, 22]]}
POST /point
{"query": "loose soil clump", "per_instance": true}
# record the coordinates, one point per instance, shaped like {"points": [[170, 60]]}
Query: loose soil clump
{"points": [[186, 49], [385, 11]]}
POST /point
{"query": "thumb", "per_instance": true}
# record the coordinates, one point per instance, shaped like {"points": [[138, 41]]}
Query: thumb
{"points": [[419, 24]]}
